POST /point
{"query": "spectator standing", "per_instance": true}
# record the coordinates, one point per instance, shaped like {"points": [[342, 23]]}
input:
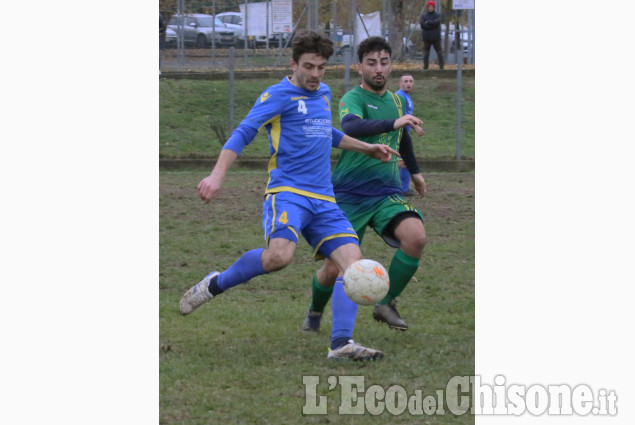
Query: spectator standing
{"points": [[430, 22]]}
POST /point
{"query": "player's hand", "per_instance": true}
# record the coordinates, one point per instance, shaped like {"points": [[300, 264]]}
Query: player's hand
{"points": [[407, 120], [419, 183], [381, 152], [418, 129], [209, 186]]}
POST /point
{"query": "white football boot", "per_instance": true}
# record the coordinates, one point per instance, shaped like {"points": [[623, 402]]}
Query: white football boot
{"points": [[197, 295], [355, 352]]}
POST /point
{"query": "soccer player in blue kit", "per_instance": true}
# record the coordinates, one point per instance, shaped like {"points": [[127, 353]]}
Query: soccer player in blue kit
{"points": [[405, 86], [299, 197]]}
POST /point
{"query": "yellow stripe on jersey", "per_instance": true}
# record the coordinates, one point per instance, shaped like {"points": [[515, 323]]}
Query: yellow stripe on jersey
{"points": [[300, 192], [397, 100], [275, 143], [328, 238]]}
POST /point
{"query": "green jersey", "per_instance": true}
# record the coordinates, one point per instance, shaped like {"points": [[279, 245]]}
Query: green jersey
{"points": [[357, 174]]}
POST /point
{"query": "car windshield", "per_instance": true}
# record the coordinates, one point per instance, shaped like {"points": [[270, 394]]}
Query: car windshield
{"points": [[176, 20], [209, 22]]}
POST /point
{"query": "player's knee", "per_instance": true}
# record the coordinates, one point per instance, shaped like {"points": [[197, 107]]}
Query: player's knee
{"points": [[327, 274], [276, 260], [413, 243], [331, 271], [419, 240]]}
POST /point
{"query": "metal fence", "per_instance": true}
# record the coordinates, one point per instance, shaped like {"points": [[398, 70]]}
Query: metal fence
{"points": [[258, 46]]}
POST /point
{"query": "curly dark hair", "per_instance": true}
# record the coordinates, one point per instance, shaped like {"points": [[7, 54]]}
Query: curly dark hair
{"points": [[309, 41], [372, 44]]}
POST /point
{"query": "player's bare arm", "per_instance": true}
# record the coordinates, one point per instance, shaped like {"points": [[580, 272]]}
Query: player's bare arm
{"points": [[378, 151], [209, 186]]}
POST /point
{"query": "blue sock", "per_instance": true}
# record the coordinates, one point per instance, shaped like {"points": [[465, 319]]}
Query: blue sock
{"points": [[246, 267], [344, 314]]}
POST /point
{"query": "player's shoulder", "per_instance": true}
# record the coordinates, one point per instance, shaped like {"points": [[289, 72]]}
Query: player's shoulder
{"points": [[324, 89], [273, 93], [352, 95], [393, 95], [345, 102], [398, 96]]}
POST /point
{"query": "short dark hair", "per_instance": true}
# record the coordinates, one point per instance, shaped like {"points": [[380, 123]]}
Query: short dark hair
{"points": [[372, 44], [309, 41]]}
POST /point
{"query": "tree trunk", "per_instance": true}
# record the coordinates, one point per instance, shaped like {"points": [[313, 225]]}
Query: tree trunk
{"points": [[396, 29]]}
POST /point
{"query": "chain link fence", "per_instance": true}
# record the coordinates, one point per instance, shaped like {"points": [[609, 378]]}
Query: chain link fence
{"points": [[255, 35]]}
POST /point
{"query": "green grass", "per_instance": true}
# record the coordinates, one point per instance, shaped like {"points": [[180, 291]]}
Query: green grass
{"points": [[240, 359], [190, 110]]}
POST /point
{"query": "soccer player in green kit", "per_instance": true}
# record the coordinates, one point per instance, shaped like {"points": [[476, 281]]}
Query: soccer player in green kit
{"points": [[369, 192]]}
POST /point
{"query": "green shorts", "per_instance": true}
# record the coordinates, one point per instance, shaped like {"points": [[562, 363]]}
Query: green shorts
{"points": [[383, 214]]}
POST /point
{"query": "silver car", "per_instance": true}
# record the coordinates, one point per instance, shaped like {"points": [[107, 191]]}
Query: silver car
{"points": [[171, 39], [199, 29], [234, 20]]}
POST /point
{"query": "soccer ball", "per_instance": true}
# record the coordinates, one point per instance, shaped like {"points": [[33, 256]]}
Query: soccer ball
{"points": [[366, 282]]}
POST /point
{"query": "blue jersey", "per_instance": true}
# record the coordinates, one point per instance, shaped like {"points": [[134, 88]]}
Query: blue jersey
{"points": [[409, 105], [300, 138]]}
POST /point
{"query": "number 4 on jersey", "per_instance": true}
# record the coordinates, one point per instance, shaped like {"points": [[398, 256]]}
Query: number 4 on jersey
{"points": [[302, 107], [283, 218]]}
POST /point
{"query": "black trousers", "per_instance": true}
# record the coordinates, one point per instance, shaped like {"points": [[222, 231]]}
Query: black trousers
{"points": [[426, 52]]}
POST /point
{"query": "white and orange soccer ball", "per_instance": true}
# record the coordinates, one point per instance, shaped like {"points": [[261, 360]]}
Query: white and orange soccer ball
{"points": [[366, 282]]}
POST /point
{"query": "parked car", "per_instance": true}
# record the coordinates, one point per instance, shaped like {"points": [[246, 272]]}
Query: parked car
{"points": [[234, 20], [199, 29], [171, 39]]}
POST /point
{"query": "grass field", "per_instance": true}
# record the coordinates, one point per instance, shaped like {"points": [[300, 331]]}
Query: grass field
{"points": [[241, 358], [194, 115]]}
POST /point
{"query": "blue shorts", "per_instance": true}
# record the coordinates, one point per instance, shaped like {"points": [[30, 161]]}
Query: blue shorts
{"points": [[322, 224]]}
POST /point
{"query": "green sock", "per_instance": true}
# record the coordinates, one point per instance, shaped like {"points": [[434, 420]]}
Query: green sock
{"points": [[401, 270], [321, 295]]}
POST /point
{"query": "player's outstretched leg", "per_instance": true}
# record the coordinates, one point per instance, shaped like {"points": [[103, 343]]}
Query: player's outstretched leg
{"points": [[245, 268]]}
